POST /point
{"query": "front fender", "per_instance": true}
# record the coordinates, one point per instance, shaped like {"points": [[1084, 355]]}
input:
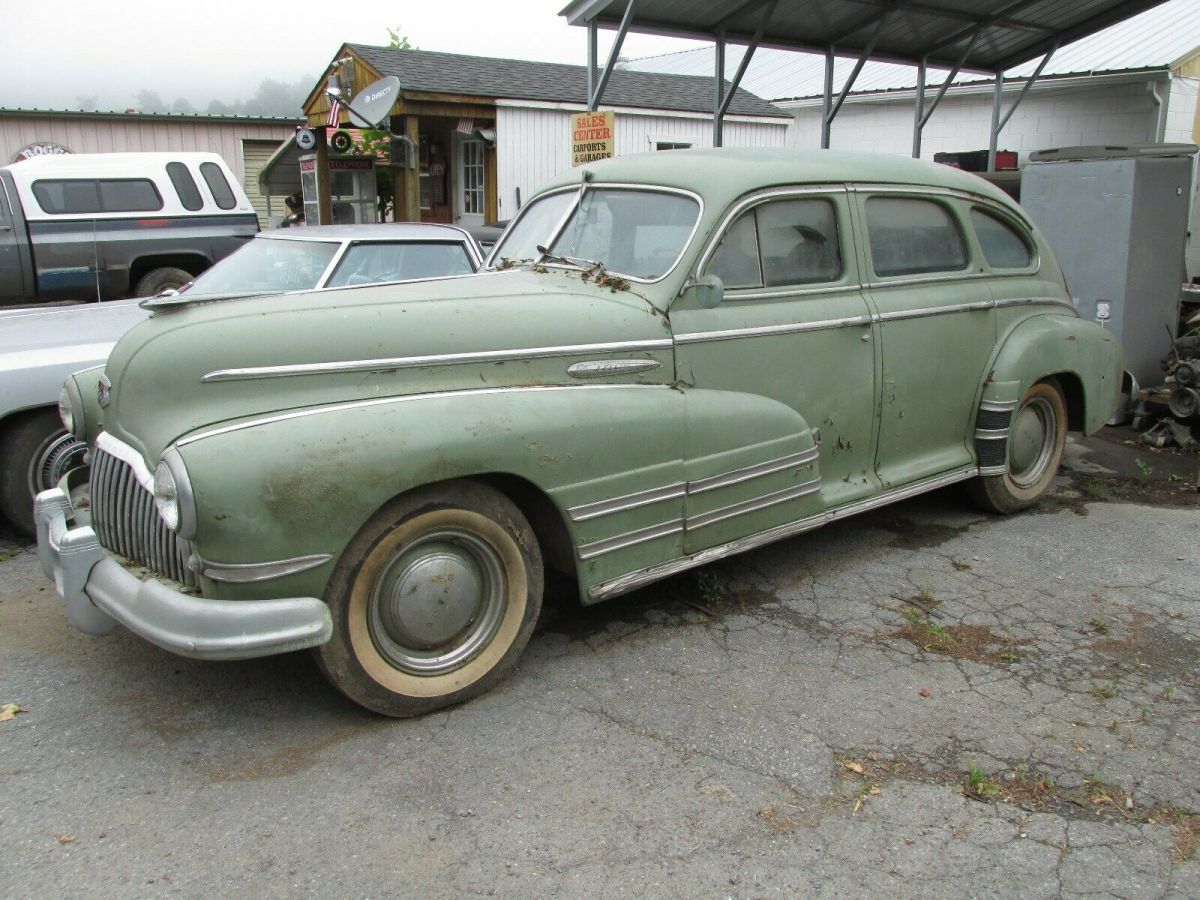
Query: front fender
{"points": [[304, 482], [1050, 344]]}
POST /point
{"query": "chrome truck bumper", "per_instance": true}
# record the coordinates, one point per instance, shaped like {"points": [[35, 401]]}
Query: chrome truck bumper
{"points": [[99, 592]]}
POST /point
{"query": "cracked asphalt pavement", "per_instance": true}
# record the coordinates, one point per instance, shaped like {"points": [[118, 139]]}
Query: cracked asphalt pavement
{"points": [[925, 701]]}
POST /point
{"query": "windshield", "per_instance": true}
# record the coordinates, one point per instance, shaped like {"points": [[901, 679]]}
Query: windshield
{"points": [[266, 265], [640, 233], [396, 261]]}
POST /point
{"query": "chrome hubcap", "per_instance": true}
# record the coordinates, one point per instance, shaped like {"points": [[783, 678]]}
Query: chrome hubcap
{"points": [[438, 602], [58, 456], [1031, 443]]}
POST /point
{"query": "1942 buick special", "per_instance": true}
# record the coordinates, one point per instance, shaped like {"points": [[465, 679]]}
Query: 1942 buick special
{"points": [[676, 357]]}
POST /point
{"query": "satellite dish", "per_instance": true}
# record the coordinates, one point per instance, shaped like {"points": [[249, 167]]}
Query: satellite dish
{"points": [[372, 104]]}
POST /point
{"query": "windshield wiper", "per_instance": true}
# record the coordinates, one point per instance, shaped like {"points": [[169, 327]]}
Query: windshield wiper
{"points": [[545, 256]]}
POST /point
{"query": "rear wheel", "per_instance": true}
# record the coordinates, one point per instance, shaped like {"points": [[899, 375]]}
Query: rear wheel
{"points": [[1036, 438], [433, 601], [35, 453], [157, 280]]}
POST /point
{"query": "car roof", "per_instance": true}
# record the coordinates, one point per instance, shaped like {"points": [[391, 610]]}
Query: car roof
{"points": [[725, 173], [386, 231]]}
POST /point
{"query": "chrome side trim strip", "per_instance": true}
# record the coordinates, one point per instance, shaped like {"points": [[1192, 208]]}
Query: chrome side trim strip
{"points": [[586, 511], [630, 538], [640, 577], [601, 368], [927, 311], [999, 405], [409, 398], [1033, 301], [769, 467], [246, 573], [129, 456], [434, 359], [753, 505], [766, 330], [991, 434], [993, 470]]}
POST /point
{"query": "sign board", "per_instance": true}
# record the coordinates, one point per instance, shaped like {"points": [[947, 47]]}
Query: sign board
{"points": [[306, 138], [592, 137], [40, 148]]}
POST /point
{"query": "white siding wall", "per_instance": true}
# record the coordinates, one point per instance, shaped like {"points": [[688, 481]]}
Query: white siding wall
{"points": [[100, 134], [534, 144], [1114, 114], [1181, 110]]}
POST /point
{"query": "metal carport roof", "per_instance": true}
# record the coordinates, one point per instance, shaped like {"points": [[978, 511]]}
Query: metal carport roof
{"points": [[986, 36]]}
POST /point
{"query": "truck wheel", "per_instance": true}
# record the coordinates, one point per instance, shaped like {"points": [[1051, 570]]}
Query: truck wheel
{"points": [[433, 601], [1036, 439], [35, 453], [158, 280]]}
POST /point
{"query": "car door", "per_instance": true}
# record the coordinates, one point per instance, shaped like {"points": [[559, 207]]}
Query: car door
{"points": [[936, 323], [780, 378]]}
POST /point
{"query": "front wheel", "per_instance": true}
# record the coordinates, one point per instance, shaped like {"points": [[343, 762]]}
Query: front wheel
{"points": [[35, 453], [433, 601], [1036, 438]]}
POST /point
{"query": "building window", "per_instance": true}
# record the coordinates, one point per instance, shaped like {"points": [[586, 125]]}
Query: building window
{"points": [[472, 171], [668, 142]]}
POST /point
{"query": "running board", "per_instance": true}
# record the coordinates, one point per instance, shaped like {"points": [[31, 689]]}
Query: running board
{"points": [[633, 580]]}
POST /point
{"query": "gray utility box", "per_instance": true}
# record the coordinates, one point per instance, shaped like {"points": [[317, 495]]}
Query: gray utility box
{"points": [[1117, 219]]}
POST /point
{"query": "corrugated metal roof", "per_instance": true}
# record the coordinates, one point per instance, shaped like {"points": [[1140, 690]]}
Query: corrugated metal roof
{"points": [[989, 34], [164, 116], [1154, 39], [516, 79]]}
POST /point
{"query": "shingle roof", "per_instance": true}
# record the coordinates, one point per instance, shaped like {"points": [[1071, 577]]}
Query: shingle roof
{"points": [[1154, 39], [515, 79]]}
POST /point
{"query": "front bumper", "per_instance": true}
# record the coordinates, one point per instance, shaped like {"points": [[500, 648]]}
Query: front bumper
{"points": [[99, 592]]}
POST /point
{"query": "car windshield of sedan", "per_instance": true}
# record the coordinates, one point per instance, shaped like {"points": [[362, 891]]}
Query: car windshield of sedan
{"points": [[266, 265], [637, 233]]}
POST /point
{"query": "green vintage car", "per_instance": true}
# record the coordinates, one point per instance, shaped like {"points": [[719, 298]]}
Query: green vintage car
{"points": [[675, 357]]}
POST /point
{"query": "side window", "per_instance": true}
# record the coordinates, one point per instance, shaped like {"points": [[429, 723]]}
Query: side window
{"points": [[215, 179], [736, 259], [787, 242], [185, 186], [74, 196], [799, 242], [131, 195], [1003, 246], [911, 237]]}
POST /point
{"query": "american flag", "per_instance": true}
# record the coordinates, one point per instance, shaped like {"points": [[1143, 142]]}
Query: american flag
{"points": [[466, 125], [335, 113]]}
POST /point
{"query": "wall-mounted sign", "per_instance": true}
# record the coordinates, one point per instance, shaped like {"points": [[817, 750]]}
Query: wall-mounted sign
{"points": [[306, 139], [40, 148], [592, 137]]}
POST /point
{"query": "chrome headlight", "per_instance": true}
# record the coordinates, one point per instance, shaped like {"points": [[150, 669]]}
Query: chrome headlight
{"points": [[173, 495]]}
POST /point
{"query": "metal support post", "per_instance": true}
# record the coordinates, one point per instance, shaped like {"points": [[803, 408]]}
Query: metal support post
{"points": [[723, 103], [919, 110], [832, 110], [719, 81], [591, 59], [827, 105], [594, 100], [998, 121]]}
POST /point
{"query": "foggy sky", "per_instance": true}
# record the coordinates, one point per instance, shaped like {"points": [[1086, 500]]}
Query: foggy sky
{"points": [[56, 52]]}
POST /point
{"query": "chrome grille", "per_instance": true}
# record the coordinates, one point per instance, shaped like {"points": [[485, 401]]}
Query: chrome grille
{"points": [[126, 522]]}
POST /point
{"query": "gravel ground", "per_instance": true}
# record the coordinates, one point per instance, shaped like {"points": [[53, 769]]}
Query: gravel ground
{"points": [[921, 702]]}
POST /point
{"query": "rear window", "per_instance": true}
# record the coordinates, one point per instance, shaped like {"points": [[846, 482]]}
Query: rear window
{"points": [[912, 237], [375, 263], [1003, 246], [215, 179], [185, 186], [89, 195]]}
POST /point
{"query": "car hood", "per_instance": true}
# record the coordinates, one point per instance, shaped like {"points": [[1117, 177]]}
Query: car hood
{"points": [[190, 368], [41, 347]]}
